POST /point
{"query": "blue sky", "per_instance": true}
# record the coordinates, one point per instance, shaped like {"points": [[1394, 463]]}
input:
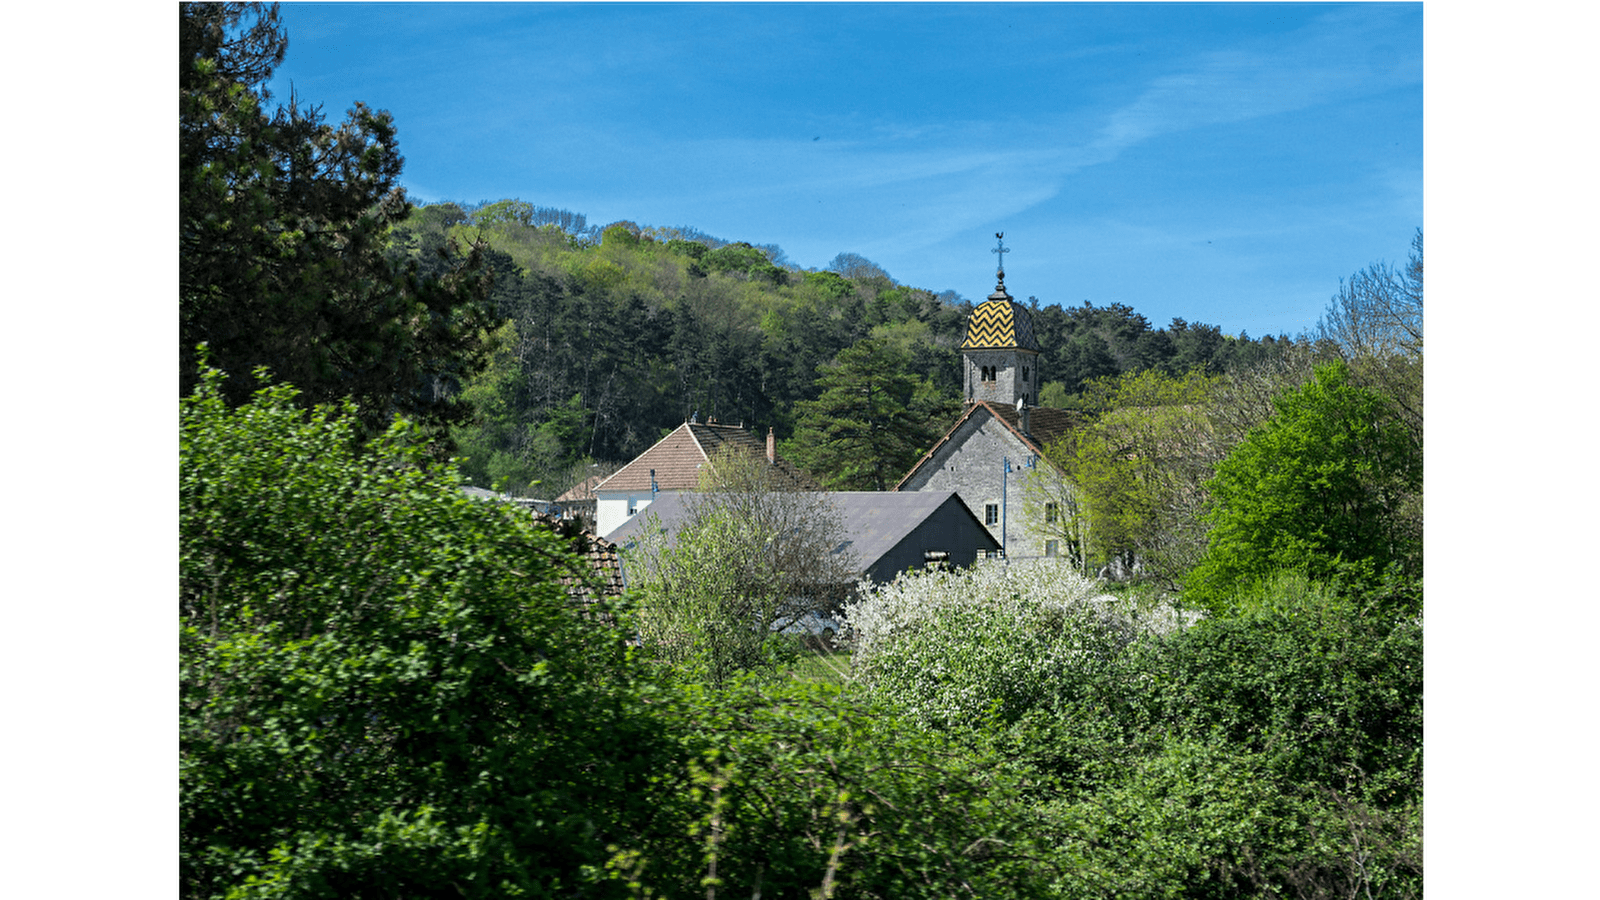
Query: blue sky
{"points": [[1226, 163]]}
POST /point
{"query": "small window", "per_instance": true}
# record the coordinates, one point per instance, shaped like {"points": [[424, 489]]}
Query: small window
{"points": [[633, 507], [1051, 511], [991, 514], [986, 373], [1052, 548], [1024, 373]]}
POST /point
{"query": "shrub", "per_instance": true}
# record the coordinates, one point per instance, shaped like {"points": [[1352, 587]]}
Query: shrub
{"points": [[960, 646], [383, 687]]}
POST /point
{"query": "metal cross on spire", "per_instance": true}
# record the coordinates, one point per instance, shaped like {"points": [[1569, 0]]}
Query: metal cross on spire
{"points": [[1000, 251]]}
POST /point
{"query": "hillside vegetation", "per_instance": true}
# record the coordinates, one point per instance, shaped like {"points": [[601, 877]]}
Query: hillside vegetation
{"points": [[608, 337]]}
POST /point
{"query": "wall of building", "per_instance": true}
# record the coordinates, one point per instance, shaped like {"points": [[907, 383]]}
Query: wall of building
{"points": [[1009, 383], [611, 509], [947, 530], [971, 463]]}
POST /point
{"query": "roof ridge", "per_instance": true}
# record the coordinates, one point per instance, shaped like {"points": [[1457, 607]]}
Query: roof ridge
{"points": [[696, 438], [971, 407], [629, 465]]}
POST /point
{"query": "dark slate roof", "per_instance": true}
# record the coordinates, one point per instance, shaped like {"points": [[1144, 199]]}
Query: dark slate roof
{"points": [[875, 522], [679, 458], [1046, 425]]}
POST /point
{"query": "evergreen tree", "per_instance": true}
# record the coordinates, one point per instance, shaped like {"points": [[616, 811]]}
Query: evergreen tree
{"points": [[283, 222], [872, 421]]}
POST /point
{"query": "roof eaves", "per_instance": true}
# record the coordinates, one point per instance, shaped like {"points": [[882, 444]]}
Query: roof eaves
{"points": [[971, 407]]}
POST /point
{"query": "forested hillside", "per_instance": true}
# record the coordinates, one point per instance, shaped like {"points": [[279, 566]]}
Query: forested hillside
{"points": [[608, 337]]}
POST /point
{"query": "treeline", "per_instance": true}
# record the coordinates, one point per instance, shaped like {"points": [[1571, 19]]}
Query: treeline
{"points": [[1309, 459], [611, 336]]}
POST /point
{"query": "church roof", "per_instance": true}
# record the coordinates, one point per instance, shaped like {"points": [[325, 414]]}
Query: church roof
{"points": [[1045, 426], [1000, 323], [679, 458]]}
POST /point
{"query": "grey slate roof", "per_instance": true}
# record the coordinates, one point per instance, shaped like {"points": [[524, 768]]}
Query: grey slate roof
{"points": [[876, 523]]}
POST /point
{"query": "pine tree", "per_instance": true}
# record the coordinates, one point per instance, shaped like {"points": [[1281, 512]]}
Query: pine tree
{"points": [[872, 421], [283, 226]]}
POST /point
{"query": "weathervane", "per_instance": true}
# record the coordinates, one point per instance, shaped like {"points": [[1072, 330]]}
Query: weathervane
{"points": [[1000, 251]]}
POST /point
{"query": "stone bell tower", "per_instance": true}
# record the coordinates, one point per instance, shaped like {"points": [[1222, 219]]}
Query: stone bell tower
{"points": [[1000, 355]]}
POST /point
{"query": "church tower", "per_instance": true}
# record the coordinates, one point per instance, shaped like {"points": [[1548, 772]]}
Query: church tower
{"points": [[1000, 355]]}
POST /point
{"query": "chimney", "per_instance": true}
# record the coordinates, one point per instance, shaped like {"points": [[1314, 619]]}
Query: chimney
{"points": [[772, 447]]}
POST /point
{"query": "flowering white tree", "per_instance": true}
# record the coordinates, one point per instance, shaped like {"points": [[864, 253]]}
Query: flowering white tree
{"points": [[954, 646]]}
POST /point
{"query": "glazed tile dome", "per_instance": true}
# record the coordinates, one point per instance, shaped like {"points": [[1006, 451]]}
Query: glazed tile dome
{"points": [[1000, 323]]}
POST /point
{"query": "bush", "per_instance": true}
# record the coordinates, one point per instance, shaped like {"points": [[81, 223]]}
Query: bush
{"points": [[798, 790], [383, 688], [1333, 479], [961, 646]]}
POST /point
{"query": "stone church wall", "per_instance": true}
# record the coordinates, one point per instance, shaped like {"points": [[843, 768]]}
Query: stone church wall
{"points": [[971, 463]]}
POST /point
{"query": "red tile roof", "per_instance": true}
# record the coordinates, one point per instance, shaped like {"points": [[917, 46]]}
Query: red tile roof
{"points": [[583, 490], [679, 458]]}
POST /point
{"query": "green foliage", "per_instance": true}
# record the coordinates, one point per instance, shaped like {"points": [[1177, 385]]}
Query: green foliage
{"points": [[1054, 395], [1274, 753], [803, 792], [1134, 470], [283, 223], [872, 421], [1326, 688], [748, 561], [384, 688], [1321, 485], [1191, 820]]}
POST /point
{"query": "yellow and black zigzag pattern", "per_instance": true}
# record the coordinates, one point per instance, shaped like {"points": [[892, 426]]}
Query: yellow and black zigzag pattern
{"points": [[999, 324]]}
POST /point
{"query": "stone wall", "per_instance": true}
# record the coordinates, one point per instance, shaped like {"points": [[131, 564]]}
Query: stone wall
{"points": [[971, 463], [1009, 383]]}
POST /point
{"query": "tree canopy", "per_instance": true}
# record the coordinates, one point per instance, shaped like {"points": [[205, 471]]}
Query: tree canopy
{"points": [[283, 230], [873, 420], [373, 666], [1133, 471], [1326, 481]]}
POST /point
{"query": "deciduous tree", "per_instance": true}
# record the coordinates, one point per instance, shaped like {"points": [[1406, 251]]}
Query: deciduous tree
{"points": [[384, 689], [1332, 479], [749, 560], [1133, 472]]}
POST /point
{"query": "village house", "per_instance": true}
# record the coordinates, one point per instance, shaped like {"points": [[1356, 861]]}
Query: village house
{"points": [[676, 463]]}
